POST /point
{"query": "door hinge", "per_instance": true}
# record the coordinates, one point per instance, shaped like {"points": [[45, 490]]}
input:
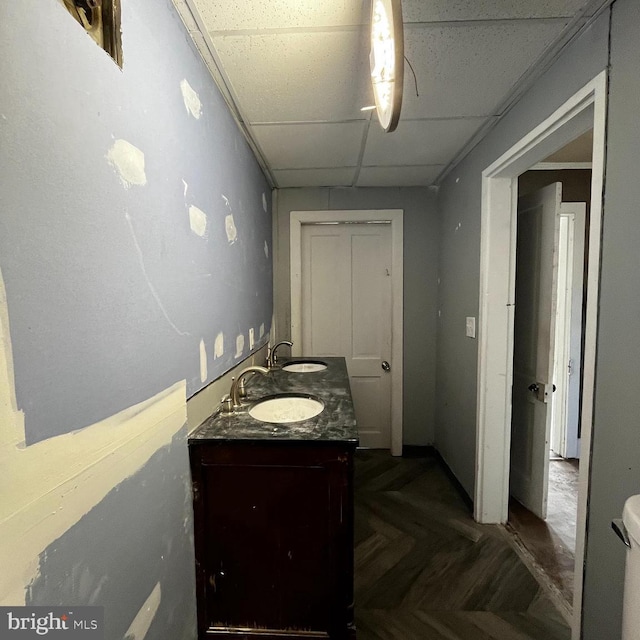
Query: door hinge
{"points": [[196, 491]]}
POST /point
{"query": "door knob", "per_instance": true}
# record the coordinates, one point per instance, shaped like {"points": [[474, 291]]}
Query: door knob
{"points": [[386, 366], [535, 387]]}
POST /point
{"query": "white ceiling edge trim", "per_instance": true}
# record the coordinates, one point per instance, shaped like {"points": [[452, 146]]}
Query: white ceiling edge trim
{"points": [[276, 31], [573, 30], [356, 26], [221, 80]]}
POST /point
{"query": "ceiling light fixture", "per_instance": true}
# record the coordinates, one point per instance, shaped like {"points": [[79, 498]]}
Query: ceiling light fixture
{"points": [[387, 60]]}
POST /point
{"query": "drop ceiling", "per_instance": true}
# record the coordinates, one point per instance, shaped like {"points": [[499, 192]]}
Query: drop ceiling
{"points": [[296, 75]]}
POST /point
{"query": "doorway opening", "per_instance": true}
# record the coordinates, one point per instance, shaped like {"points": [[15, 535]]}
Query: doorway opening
{"points": [[583, 111], [548, 531]]}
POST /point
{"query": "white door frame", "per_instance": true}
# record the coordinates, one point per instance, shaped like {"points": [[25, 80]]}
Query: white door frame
{"points": [[584, 110], [564, 440], [395, 217]]}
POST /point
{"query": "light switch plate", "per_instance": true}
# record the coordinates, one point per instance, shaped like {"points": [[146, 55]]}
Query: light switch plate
{"points": [[471, 327]]}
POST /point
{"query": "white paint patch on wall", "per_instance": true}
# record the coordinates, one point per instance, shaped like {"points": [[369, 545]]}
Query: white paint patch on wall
{"points": [[266, 249], [191, 99], [239, 345], [229, 224], [186, 187], [139, 628], [128, 161], [203, 361], [262, 330], [230, 227], [198, 221], [73, 473], [264, 202], [48, 486], [252, 340], [218, 348]]}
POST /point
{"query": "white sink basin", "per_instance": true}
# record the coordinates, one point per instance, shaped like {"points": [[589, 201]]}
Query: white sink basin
{"points": [[304, 366], [286, 408]]}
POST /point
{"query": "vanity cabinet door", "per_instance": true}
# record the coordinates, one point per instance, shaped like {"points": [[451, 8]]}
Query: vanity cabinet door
{"points": [[273, 538]]}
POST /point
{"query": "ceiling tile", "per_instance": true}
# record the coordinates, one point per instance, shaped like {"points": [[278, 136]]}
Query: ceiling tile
{"points": [[298, 76], [443, 10], [398, 176], [342, 177], [418, 142], [232, 15], [297, 146], [467, 70]]}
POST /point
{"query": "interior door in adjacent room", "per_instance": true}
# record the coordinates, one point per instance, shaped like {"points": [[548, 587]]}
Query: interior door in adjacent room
{"points": [[346, 311], [534, 344]]}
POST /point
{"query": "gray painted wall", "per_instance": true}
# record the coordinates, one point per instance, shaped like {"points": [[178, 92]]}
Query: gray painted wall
{"points": [[459, 204], [109, 290], [420, 284], [615, 468]]}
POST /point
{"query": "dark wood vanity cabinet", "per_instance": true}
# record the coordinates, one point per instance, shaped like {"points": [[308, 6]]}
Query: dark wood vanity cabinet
{"points": [[273, 538]]}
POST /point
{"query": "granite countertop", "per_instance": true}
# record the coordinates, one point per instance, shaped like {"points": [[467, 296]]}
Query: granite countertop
{"points": [[336, 423]]}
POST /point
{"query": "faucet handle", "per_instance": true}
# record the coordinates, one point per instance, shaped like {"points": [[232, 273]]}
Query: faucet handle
{"points": [[225, 404]]}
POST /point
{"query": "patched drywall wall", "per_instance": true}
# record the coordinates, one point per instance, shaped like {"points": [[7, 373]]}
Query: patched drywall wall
{"points": [[52, 484], [132, 227], [145, 523], [420, 284]]}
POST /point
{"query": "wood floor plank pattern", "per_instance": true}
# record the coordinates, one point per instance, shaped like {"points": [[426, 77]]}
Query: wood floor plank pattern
{"points": [[552, 542], [425, 570]]}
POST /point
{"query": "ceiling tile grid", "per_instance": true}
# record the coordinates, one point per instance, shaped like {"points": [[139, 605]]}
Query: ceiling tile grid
{"points": [[303, 146], [241, 15], [398, 176], [466, 70], [336, 177], [467, 10], [297, 76], [418, 141], [298, 71]]}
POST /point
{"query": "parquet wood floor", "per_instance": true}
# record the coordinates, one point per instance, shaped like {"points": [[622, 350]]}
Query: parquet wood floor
{"points": [[424, 570], [552, 542]]}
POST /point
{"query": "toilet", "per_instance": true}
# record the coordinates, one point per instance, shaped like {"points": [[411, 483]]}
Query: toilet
{"points": [[631, 606]]}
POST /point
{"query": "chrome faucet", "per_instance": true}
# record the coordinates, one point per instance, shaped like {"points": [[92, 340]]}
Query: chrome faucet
{"points": [[272, 358], [238, 384]]}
